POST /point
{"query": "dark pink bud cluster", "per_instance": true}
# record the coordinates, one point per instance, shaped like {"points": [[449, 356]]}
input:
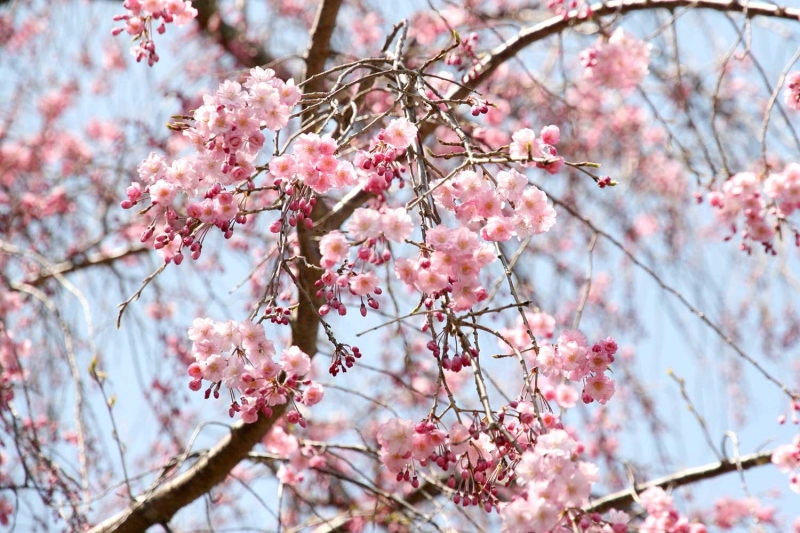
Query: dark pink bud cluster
{"points": [[344, 357], [464, 54], [604, 182], [478, 106], [296, 211], [382, 165], [455, 363], [240, 356], [278, 315], [141, 16], [351, 275]]}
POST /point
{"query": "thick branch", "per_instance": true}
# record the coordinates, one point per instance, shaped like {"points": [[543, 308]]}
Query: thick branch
{"points": [[342, 211], [625, 498], [247, 53], [211, 469], [319, 47], [555, 25]]}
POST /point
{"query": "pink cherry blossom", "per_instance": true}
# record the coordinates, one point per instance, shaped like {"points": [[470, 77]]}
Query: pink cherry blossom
{"points": [[395, 435], [566, 396], [525, 145], [791, 95], [362, 284], [334, 248], [364, 224], [396, 224], [600, 387], [295, 361], [400, 133], [620, 63], [313, 394]]}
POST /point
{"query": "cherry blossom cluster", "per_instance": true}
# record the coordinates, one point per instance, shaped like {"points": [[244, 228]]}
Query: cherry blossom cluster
{"points": [[784, 189], [563, 7], [791, 96], [227, 138], [787, 458], [12, 352], [511, 209], [762, 207], [314, 168], [532, 448], [449, 263], [240, 356], [541, 324], [143, 14], [298, 458], [12, 349], [313, 165], [554, 479], [662, 515], [525, 147], [570, 357], [379, 166], [370, 229], [469, 452], [729, 512], [621, 62], [574, 359]]}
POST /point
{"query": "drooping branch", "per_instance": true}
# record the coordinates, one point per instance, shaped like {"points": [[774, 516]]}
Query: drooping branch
{"points": [[625, 498], [513, 46]]}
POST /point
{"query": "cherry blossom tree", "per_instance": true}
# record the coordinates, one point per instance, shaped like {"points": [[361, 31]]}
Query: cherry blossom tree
{"points": [[437, 266]]}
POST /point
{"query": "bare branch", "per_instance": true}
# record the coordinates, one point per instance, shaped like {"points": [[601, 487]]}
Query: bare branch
{"points": [[555, 25], [625, 498], [319, 47], [85, 261]]}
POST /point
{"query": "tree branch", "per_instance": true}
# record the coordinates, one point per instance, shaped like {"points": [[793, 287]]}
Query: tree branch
{"points": [[625, 498], [85, 261], [342, 210], [247, 53], [555, 25], [160, 505], [211, 469], [319, 46]]}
